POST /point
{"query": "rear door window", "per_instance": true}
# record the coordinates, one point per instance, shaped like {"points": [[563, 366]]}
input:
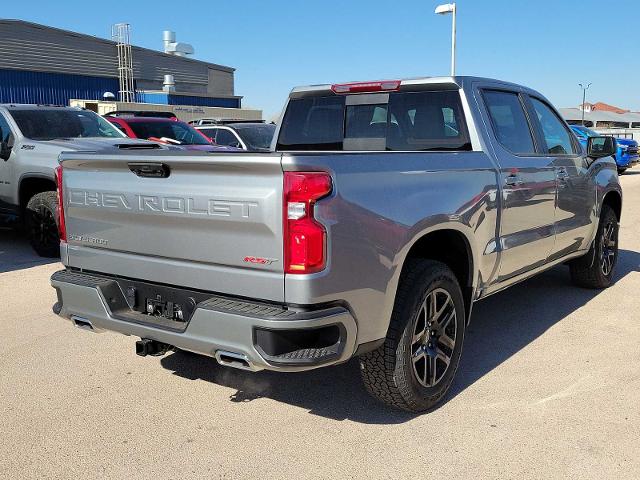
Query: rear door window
{"points": [[509, 121], [407, 121]]}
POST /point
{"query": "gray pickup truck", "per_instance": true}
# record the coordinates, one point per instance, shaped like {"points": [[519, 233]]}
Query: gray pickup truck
{"points": [[384, 211], [31, 138]]}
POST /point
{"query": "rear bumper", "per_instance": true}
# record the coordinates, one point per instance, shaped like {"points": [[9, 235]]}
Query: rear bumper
{"points": [[260, 335]]}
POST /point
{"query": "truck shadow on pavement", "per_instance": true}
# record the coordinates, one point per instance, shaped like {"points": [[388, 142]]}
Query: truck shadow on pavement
{"points": [[502, 325], [17, 254]]}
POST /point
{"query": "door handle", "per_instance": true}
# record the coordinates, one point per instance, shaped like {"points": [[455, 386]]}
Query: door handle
{"points": [[563, 176], [150, 170], [513, 180]]}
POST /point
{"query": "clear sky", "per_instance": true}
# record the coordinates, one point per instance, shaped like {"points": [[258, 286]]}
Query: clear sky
{"points": [[276, 44]]}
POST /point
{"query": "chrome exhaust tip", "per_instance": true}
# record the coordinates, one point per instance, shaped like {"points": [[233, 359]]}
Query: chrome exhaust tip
{"points": [[234, 360], [84, 324]]}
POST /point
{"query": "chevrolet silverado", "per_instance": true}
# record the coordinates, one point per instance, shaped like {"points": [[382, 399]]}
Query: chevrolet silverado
{"points": [[383, 211]]}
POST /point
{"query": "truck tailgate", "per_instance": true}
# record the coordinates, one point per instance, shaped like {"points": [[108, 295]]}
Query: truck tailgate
{"points": [[214, 223]]}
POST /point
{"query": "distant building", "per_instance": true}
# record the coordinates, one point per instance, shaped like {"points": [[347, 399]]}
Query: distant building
{"points": [[41, 64], [601, 107], [601, 118]]}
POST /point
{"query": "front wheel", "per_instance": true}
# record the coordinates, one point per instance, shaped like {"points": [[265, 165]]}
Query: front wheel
{"points": [[41, 225], [596, 268], [622, 170], [415, 366]]}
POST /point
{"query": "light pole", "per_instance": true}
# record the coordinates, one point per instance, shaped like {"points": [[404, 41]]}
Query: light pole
{"points": [[584, 99], [443, 10]]}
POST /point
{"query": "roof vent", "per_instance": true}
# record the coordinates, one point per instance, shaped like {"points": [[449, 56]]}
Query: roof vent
{"points": [[169, 84], [175, 48]]}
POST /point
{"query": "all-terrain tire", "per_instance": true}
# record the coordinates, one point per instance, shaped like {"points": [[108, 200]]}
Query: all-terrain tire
{"points": [[596, 268], [389, 372], [41, 224]]}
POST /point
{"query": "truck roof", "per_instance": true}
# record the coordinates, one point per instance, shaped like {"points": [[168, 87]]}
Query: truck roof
{"points": [[457, 81]]}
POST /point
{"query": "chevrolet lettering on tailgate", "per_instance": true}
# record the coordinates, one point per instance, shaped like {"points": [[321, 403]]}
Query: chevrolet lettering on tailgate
{"points": [[158, 204]]}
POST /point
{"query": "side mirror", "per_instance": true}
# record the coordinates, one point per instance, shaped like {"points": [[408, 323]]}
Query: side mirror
{"points": [[5, 147], [598, 147]]}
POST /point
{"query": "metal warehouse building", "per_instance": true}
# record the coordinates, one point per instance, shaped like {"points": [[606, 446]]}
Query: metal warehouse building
{"points": [[40, 64]]}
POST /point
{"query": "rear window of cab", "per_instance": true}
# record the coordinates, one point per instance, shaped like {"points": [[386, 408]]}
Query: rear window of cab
{"points": [[409, 121]]}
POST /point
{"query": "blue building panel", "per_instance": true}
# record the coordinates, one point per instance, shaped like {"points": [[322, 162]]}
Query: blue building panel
{"points": [[21, 86], [152, 97], [204, 101], [163, 98]]}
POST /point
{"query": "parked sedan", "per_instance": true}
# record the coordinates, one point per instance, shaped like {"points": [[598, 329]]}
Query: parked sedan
{"points": [[247, 136], [167, 131], [626, 153]]}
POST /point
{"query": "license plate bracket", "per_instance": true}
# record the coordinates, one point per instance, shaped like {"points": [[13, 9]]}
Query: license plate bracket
{"points": [[159, 307]]}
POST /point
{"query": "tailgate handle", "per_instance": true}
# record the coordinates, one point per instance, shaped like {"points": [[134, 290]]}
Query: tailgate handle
{"points": [[150, 170]]}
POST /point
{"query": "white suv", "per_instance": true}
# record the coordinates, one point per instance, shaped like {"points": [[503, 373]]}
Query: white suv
{"points": [[247, 136]]}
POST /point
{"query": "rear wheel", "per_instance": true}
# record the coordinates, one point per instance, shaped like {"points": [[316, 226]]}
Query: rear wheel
{"points": [[596, 268], [41, 226], [416, 365]]}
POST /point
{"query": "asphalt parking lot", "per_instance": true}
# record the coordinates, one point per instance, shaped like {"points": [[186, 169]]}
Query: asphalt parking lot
{"points": [[549, 387]]}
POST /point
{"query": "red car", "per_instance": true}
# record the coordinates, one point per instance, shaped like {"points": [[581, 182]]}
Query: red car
{"points": [[167, 131]]}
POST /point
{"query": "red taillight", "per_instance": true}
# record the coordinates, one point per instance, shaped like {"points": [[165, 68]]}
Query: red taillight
{"points": [[363, 87], [62, 227], [304, 238]]}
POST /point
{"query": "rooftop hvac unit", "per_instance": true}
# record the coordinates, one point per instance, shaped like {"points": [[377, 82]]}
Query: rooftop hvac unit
{"points": [[175, 48], [169, 84]]}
